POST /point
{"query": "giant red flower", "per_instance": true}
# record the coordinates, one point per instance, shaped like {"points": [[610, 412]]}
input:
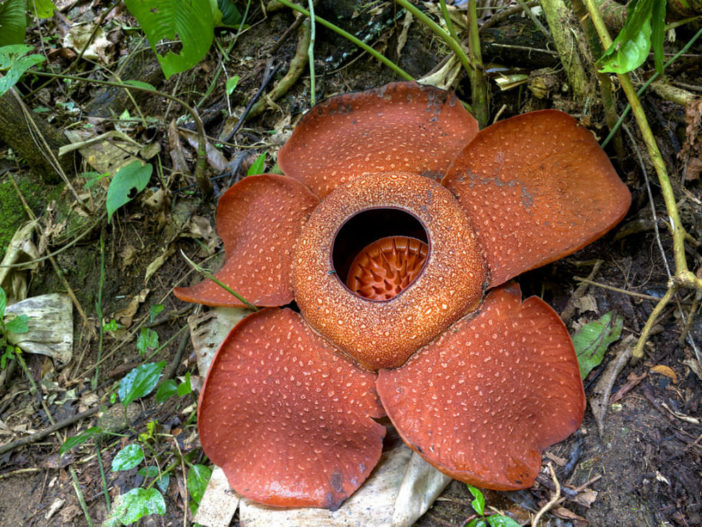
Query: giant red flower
{"points": [[394, 216]]}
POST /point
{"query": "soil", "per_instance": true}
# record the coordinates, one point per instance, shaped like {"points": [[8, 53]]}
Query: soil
{"points": [[644, 468]]}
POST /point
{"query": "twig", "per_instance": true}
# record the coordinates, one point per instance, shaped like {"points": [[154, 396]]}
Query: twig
{"points": [[616, 289], [505, 14], [38, 436], [382, 58], [310, 51], [554, 499]]}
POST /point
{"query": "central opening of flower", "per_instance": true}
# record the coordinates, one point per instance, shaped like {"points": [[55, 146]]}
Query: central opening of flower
{"points": [[379, 252]]}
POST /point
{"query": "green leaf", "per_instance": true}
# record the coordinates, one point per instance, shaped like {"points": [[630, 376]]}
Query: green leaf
{"points": [[81, 438], [630, 49], [184, 387], [147, 340], [154, 311], [476, 522], [257, 166], [232, 83], [3, 303], [190, 22], [12, 60], [479, 502], [13, 22], [140, 382], [148, 472], [593, 339], [8, 354], [128, 458], [138, 503], [140, 84], [18, 324], [163, 482], [133, 176], [658, 34], [198, 477], [43, 8], [166, 390], [497, 520], [230, 14]]}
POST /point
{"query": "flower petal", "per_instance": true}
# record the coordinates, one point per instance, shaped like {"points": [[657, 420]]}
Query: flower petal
{"points": [[287, 419], [495, 389], [259, 220], [536, 187], [400, 127]]}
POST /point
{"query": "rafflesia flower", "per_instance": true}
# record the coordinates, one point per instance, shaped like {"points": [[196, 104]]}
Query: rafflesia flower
{"points": [[394, 217]]}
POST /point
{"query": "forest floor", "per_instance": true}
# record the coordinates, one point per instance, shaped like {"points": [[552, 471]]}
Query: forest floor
{"points": [[643, 467]]}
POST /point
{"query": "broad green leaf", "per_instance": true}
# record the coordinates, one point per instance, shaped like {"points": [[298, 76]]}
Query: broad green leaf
{"points": [[166, 390], [592, 340], [81, 438], [3, 303], [138, 503], [257, 166], [18, 324], [479, 502], [630, 49], [231, 84], [8, 354], [230, 14], [140, 382], [476, 522], [133, 176], [14, 64], [128, 458], [198, 477], [43, 8], [189, 22], [147, 340], [497, 520], [658, 33], [13, 21]]}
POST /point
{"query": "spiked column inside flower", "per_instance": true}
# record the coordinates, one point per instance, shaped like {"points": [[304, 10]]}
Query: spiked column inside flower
{"points": [[389, 269]]}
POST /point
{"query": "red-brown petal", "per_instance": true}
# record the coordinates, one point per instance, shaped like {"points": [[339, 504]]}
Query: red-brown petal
{"points": [[259, 220], [536, 187], [483, 400], [401, 127], [287, 419]]}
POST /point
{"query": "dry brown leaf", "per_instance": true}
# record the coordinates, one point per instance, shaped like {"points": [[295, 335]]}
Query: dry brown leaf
{"points": [[126, 315], [665, 370]]}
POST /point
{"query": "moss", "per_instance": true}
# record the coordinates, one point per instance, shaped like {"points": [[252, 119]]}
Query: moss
{"points": [[12, 213]]}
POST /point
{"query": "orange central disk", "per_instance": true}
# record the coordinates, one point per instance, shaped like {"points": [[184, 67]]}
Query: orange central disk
{"points": [[386, 267]]}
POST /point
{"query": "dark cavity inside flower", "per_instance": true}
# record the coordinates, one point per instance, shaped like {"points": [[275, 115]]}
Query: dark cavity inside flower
{"points": [[394, 217]]}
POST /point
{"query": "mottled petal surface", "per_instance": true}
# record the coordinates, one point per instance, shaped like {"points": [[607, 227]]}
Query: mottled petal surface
{"points": [[259, 220], [287, 419], [401, 127], [482, 401], [536, 188]]}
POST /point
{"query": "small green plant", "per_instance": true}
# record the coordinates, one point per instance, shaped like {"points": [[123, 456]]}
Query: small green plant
{"points": [[142, 455], [148, 338], [15, 325], [481, 520], [126, 184]]}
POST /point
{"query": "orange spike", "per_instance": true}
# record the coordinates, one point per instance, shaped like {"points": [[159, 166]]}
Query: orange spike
{"points": [[386, 267]]}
